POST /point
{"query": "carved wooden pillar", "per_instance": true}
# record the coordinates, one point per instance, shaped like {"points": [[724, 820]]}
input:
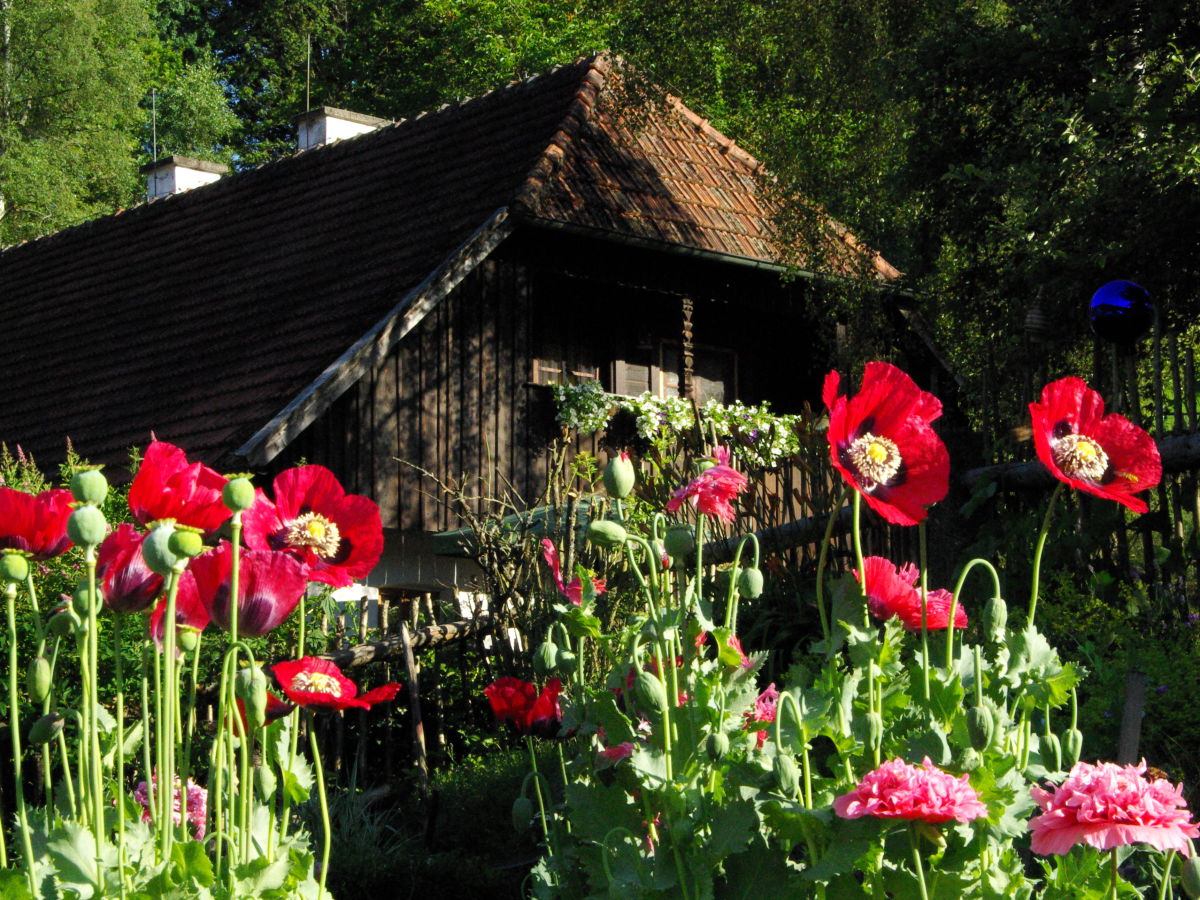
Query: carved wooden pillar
{"points": [[687, 372]]}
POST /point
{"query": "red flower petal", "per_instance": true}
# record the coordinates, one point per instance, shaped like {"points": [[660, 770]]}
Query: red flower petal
{"points": [[167, 487], [269, 587], [127, 582], [35, 524]]}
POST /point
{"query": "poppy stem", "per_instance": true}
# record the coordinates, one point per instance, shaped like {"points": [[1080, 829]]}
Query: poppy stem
{"points": [[1037, 554], [925, 612], [1166, 875], [915, 839], [1112, 888], [962, 579], [823, 559], [314, 746], [14, 706], [858, 557], [537, 791]]}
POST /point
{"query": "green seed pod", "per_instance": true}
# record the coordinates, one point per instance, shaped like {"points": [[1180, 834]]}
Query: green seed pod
{"points": [[750, 583], [65, 622], [566, 662], [187, 638], [251, 687], [238, 493], [1052, 756], [156, 548], [604, 533], [522, 814], [619, 476], [680, 542], [86, 526], [971, 760], [703, 465], [545, 658], [874, 730], [981, 727], [717, 745], [45, 728], [787, 774], [649, 693], [89, 485], [995, 618], [264, 783], [1072, 747], [38, 679], [81, 599], [14, 567], [185, 542], [1191, 877]]}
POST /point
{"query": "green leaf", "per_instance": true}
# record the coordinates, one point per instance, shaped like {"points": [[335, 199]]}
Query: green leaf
{"points": [[757, 873], [13, 885], [578, 622], [596, 809], [193, 863], [73, 849], [260, 875], [732, 826]]}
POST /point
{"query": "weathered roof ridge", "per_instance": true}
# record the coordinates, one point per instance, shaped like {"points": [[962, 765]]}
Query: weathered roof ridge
{"points": [[727, 144]]}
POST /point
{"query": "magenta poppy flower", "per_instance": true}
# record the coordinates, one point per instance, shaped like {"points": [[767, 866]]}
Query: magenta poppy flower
{"points": [[526, 709], [339, 536], [897, 790], [882, 443], [190, 609], [168, 487], [766, 707], [893, 591], [126, 581], [1105, 455], [574, 590], [35, 524], [319, 684], [269, 587], [713, 490], [1105, 806]]}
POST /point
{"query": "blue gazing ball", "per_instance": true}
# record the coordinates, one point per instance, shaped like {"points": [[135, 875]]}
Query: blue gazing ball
{"points": [[1121, 312]]}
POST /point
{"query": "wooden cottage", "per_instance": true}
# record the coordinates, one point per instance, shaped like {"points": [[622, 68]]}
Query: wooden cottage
{"points": [[407, 293]]}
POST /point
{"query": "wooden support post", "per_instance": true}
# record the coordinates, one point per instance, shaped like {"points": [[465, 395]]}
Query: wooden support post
{"points": [[414, 708], [1131, 717], [687, 354]]}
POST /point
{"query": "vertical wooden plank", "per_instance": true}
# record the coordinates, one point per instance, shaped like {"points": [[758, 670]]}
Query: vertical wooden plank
{"points": [[385, 441], [1177, 426], [429, 417], [524, 465], [449, 399], [408, 387], [491, 386]]}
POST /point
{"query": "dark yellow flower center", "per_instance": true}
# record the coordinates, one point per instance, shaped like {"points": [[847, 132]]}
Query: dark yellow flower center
{"points": [[1080, 457], [312, 529], [876, 460], [317, 683]]}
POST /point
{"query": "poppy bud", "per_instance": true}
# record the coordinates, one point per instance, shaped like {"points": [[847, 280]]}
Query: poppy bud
{"points": [[251, 688], [264, 783], [566, 662], [522, 814], [680, 542], [187, 638], [604, 533], [65, 622], [874, 730], [971, 760], [81, 598], [86, 526], [1052, 752], [703, 465], [89, 485], [14, 567], [750, 583], [545, 658], [156, 548], [1073, 747], [717, 745], [649, 692], [37, 679], [619, 476], [238, 493], [46, 728], [995, 618], [981, 726], [1191, 877], [185, 542], [787, 774]]}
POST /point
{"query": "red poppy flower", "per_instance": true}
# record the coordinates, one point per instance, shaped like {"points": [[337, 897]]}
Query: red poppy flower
{"points": [[574, 590], [339, 536], [894, 592], [126, 581], [190, 610], [712, 491], [1107, 456], [319, 684], [167, 487], [881, 442], [529, 712], [35, 524], [269, 587]]}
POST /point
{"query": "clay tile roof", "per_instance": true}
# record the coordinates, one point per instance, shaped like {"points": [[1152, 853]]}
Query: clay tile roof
{"points": [[210, 317]]}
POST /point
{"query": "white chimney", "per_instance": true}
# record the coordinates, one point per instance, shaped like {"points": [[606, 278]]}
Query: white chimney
{"points": [[325, 124], [174, 174]]}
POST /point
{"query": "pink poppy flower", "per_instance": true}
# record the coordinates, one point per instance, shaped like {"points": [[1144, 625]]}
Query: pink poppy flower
{"points": [[712, 491], [610, 756], [574, 590], [197, 804], [894, 592], [35, 524], [339, 536], [1105, 455], [1105, 805], [765, 709], [318, 683], [269, 587], [167, 487], [897, 790]]}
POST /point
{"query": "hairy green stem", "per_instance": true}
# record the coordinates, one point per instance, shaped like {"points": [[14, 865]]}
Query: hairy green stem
{"points": [[915, 840], [1037, 555], [14, 717], [823, 559]]}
